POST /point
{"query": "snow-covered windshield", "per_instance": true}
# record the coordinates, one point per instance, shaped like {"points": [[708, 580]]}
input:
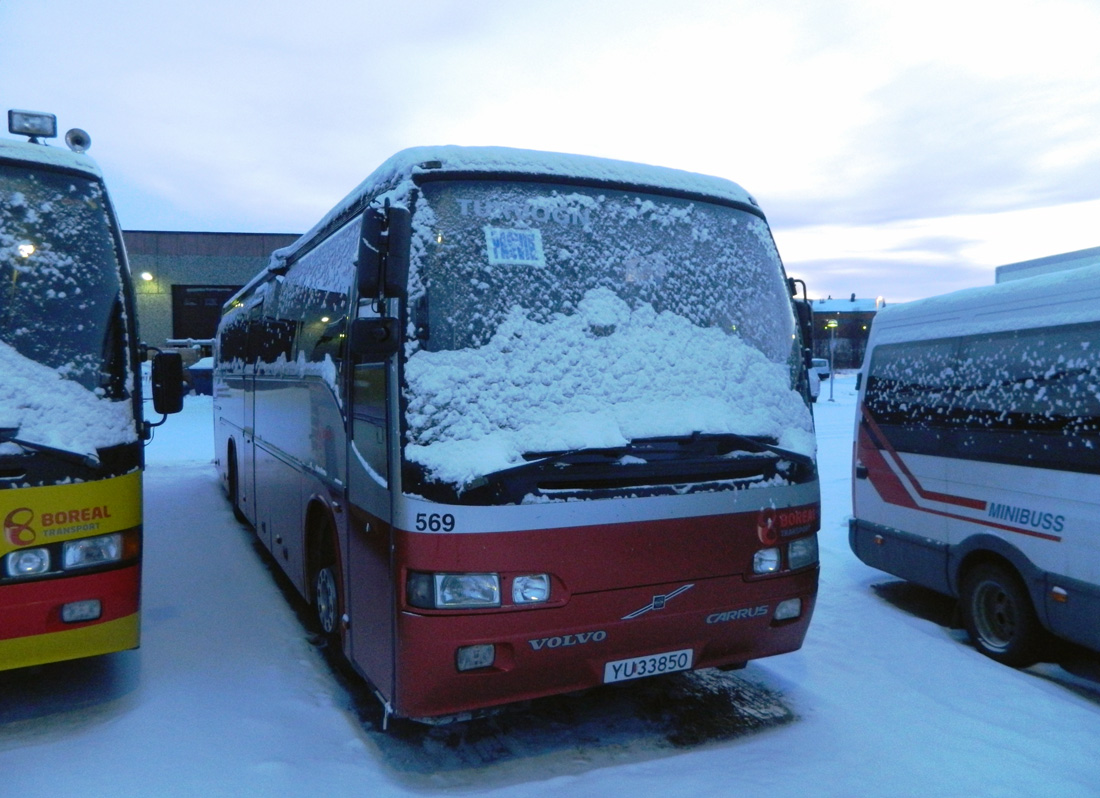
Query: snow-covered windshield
{"points": [[63, 342], [551, 318]]}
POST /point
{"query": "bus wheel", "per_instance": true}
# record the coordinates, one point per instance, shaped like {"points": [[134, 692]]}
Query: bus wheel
{"points": [[326, 588], [326, 601], [999, 616], [234, 484]]}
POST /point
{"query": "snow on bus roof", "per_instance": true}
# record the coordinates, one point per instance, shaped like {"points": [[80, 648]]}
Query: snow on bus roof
{"points": [[1046, 300], [392, 178], [47, 156]]}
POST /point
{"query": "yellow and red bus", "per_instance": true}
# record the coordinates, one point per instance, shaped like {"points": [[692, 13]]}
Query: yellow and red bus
{"points": [[71, 428]]}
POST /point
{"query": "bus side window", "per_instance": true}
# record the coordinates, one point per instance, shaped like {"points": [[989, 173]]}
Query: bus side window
{"points": [[369, 416]]}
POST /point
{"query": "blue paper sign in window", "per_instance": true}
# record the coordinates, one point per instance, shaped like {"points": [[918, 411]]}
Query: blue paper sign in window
{"points": [[509, 246]]}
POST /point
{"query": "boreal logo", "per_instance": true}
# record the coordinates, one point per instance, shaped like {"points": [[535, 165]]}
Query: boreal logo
{"points": [[17, 526], [767, 527]]}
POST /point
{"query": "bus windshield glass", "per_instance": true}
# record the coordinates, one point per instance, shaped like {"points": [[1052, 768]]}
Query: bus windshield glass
{"points": [[63, 341], [548, 318]]}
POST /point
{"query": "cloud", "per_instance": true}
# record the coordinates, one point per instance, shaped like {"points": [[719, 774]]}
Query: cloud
{"points": [[895, 279], [872, 134]]}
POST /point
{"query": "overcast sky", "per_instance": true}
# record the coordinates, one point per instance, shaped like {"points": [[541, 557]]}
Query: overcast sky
{"points": [[898, 149]]}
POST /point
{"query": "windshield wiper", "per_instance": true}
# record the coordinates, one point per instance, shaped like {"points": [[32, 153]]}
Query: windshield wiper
{"points": [[658, 465], [790, 454], [674, 448], [8, 435]]}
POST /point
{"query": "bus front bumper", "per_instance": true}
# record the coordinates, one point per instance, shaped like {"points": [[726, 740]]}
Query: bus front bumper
{"points": [[32, 629], [541, 652]]}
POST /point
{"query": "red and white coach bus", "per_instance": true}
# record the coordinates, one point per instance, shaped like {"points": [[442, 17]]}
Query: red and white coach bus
{"points": [[518, 423], [70, 408], [977, 458]]}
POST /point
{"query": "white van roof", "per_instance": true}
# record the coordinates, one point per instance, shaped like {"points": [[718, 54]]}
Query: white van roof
{"points": [[1047, 300]]}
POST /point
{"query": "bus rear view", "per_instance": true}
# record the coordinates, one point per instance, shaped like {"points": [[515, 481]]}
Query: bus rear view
{"points": [[519, 423]]}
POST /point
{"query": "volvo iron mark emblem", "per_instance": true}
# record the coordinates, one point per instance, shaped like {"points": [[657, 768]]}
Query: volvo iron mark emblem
{"points": [[658, 602]]}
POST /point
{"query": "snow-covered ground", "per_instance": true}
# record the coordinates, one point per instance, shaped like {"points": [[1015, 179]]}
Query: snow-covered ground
{"points": [[227, 697]]}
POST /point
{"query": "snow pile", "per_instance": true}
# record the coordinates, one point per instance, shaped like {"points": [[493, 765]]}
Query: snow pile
{"points": [[50, 410], [598, 378]]}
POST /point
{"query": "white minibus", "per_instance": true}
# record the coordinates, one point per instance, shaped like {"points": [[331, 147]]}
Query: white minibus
{"points": [[977, 458]]}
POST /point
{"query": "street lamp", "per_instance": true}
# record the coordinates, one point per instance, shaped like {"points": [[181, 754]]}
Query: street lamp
{"points": [[831, 326]]}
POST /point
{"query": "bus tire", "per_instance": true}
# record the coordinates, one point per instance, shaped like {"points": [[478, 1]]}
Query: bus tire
{"points": [[234, 486], [999, 617], [325, 586]]}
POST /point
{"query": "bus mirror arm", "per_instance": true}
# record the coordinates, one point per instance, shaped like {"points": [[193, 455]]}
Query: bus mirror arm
{"points": [[805, 313], [792, 286], [373, 340]]}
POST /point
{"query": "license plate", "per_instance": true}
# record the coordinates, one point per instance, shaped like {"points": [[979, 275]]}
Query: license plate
{"points": [[622, 670]]}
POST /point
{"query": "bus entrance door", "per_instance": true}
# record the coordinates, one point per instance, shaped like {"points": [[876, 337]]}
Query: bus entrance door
{"points": [[370, 589]]}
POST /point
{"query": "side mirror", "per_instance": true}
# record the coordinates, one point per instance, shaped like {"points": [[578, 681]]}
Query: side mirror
{"points": [[167, 382], [805, 327], [374, 340], [370, 252], [397, 250], [384, 252]]}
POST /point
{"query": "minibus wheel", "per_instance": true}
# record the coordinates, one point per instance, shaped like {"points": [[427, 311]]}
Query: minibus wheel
{"points": [[998, 614]]}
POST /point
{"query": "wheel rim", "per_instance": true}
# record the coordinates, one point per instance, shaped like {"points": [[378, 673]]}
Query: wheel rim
{"points": [[995, 615], [327, 600]]}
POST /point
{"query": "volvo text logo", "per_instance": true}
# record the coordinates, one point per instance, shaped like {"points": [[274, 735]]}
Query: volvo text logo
{"points": [[562, 641]]}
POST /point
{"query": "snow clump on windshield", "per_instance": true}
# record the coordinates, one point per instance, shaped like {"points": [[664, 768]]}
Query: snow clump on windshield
{"points": [[50, 410], [600, 377]]}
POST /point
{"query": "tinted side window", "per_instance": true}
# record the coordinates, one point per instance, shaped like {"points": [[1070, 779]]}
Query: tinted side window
{"points": [[910, 393], [315, 295], [1029, 398]]}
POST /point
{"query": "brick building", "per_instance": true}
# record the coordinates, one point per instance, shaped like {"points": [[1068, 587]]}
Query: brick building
{"points": [[182, 279]]}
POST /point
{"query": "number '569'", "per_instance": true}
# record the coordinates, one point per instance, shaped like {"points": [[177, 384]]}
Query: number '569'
{"points": [[435, 522]]}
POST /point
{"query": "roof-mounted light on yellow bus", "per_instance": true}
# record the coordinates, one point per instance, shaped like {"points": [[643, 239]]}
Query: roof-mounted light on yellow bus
{"points": [[32, 123]]}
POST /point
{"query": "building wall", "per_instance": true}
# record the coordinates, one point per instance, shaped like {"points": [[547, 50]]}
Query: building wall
{"points": [[849, 338], [190, 259], [853, 317]]}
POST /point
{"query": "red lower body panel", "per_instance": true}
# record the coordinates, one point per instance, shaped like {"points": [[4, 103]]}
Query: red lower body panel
{"points": [[31, 629], [544, 651]]}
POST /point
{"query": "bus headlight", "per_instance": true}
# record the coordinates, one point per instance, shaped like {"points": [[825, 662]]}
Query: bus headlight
{"points": [[87, 552], [447, 591], [467, 590], [766, 561], [28, 562], [802, 552], [531, 589]]}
